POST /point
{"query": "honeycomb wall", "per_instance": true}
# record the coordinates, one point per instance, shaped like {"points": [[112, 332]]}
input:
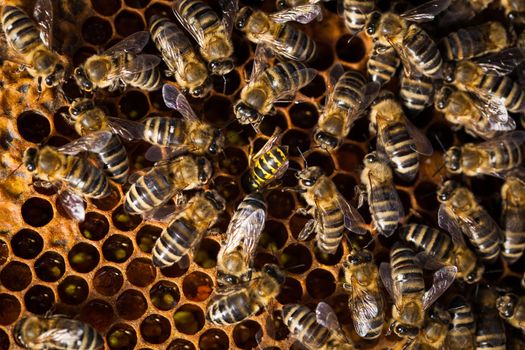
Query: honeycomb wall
{"points": [[100, 271]]}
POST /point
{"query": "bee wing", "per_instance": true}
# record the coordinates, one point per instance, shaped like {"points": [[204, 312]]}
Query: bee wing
{"points": [[364, 306], [423, 144], [353, 220], [310, 72], [385, 272], [73, 204], [157, 153], [93, 142], [262, 54], [443, 278], [140, 63], [427, 11], [276, 136], [131, 44], [369, 94], [449, 223], [458, 12], [393, 199], [127, 129], [69, 336], [492, 108], [246, 227], [516, 137], [191, 25], [174, 99], [43, 14], [326, 317], [229, 11], [335, 74], [408, 67], [303, 14], [171, 40], [503, 62]]}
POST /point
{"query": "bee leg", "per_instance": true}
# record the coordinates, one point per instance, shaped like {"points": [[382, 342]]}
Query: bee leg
{"points": [[180, 199], [168, 73], [39, 86], [360, 191], [307, 230], [272, 111]]}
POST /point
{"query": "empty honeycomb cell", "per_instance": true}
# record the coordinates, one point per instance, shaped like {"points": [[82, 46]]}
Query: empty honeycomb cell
{"points": [[127, 23], [320, 284], [324, 58], [322, 160], [275, 327], [4, 340], [189, 319], [296, 140], [246, 334], [108, 202], [233, 161], [241, 47], [493, 272], [226, 187], [360, 131], [117, 248], [425, 193], [274, 235], [97, 313], [269, 123], [131, 304], [9, 309], [50, 267], [350, 52], [121, 337], [137, 4], [177, 270], [349, 157], [197, 286], [4, 252], [345, 185], [94, 227], [213, 339], [159, 9], [96, 31], [123, 221], [39, 299], [291, 291], [141, 272], [206, 255], [108, 280], [297, 223], [147, 236], [226, 84], [316, 88], [134, 105], [15, 276], [62, 126], [155, 329], [339, 304], [57, 141], [328, 259], [304, 115], [37, 212], [33, 127], [262, 258], [296, 258], [440, 136], [280, 204], [217, 110], [181, 344], [83, 257], [27, 244], [73, 290], [164, 295], [106, 7]]}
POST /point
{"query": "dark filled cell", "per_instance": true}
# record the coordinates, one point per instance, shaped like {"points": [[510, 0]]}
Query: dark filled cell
{"points": [[226, 84], [291, 291], [227, 187], [217, 110], [329, 259], [141, 272], [164, 295], [108, 280], [246, 333], [123, 221], [426, 197], [117, 248], [189, 319], [39, 299], [97, 313], [197, 286], [322, 160], [233, 161], [134, 105], [9, 309], [121, 337], [349, 157], [296, 258], [107, 202], [73, 290], [4, 252], [37, 212], [320, 284], [280, 204], [296, 140], [440, 136], [181, 344], [4, 340], [15, 276], [96, 31], [137, 4], [147, 236], [213, 339], [177, 270], [27, 244], [127, 23], [271, 122], [131, 304], [94, 227], [83, 257], [274, 235], [106, 7], [324, 58], [316, 88], [62, 125], [33, 127], [50, 267], [155, 329], [350, 52], [206, 255], [304, 115]]}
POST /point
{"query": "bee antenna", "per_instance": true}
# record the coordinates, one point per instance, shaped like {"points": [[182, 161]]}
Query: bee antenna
{"points": [[438, 170], [370, 242], [302, 156], [224, 85], [440, 143], [12, 172]]}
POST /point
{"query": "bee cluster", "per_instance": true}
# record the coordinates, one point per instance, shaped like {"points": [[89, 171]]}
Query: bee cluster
{"points": [[361, 188]]}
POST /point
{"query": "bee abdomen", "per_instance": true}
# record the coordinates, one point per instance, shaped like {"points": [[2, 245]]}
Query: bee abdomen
{"points": [[296, 43], [490, 333], [164, 131], [115, 160], [174, 243], [504, 87], [201, 12], [423, 53], [382, 64], [302, 324], [435, 243], [148, 80], [284, 76], [20, 29], [461, 315], [333, 226], [507, 155], [267, 166], [231, 308], [485, 235], [348, 91], [88, 179], [148, 192], [514, 242], [355, 13], [166, 33], [416, 92], [381, 207], [401, 149], [405, 271]]}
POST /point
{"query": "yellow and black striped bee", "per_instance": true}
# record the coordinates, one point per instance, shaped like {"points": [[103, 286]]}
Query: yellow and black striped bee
{"points": [[403, 279], [494, 157], [417, 91], [365, 301], [317, 330], [177, 52], [511, 308], [166, 179], [433, 334], [397, 137], [273, 31], [211, 34], [382, 63], [462, 325], [235, 303], [56, 332], [346, 102], [121, 65], [460, 213], [269, 164], [74, 176], [444, 251], [512, 218], [490, 329], [235, 258], [33, 42], [185, 231], [355, 14]]}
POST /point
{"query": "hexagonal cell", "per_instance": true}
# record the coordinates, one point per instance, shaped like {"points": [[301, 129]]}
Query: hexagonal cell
{"points": [[296, 139], [164, 295], [206, 255], [127, 23], [73, 290], [322, 160], [296, 258], [350, 52], [155, 329], [134, 105], [246, 333], [227, 187], [275, 327], [108, 280], [274, 235], [123, 221], [316, 88], [50, 267], [106, 7], [96, 31], [349, 157], [15, 276], [280, 204], [121, 337], [4, 252], [346, 186], [270, 123], [94, 227], [10, 309], [33, 127], [426, 197], [189, 319], [324, 58], [297, 223], [178, 269], [4, 340], [131, 304], [291, 291], [137, 4], [117, 248], [233, 161], [213, 339], [39, 299], [181, 344], [226, 84], [197, 286], [217, 110], [97, 313], [147, 236], [320, 284], [37, 212], [141, 272], [304, 115], [83, 257], [107, 203], [27, 244]]}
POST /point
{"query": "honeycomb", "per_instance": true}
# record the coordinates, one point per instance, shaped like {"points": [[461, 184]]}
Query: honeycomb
{"points": [[100, 271]]}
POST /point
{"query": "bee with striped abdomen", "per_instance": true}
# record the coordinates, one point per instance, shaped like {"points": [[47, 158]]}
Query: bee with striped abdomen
{"points": [[273, 30], [32, 42], [378, 185], [177, 52], [185, 231], [355, 14], [211, 34], [365, 301], [511, 308], [433, 334], [121, 65], [236, 303], [397, 137], [350, 95], [235, 258], [403, 279], [512, 218], [460, 213], [462, 325], [416, 92], [56, 332], [490, 329], [514, 10], [382, 63]]}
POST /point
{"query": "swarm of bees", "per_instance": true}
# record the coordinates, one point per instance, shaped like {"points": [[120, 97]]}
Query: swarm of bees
{"points": [[470, 73]]}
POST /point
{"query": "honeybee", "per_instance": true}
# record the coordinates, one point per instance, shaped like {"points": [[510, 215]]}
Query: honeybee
{"points": [[285, 4], [330, 211], [355, 14], [269, 164], [235, 303], [493, 157], [397, 137], [267, 86], [416, 91], [211, 34], [480, 118], [490, 329], [183, 62], [187, 228], [121, 65], [511, 308], [33, 42], [443, 250], [365, 300], [514, 10], [382, 63], [462, 325], [347, 100], [459, 213], [474, 41], [235, 258], [378, 184], [166, 179], [433, 334], [403, 279], [73, 175], [273, 30], [317, 330], [415, 47], [513, 212], [56, 332]]}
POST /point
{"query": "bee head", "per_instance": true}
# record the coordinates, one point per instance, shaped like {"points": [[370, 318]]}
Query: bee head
{"points": [[449, 70], [204, 170], [404, 331], [357, 258], [81, 105], [242, 17], [217, 144], [325, 140], [442, 97], [225, 279], [475, 275], [275, 272], [27, 331], [453, 160], [201, 90], [506, 305], [246, 114], [31, 158], [372, 23], [56, 76], [371, 158], [215, 199], [446, 190], [222, 66], [281, 5], [308, 176], [82, 80]]}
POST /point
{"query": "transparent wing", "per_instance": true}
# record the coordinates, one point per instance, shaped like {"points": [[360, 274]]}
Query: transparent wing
{"points": [[503, 62], [457, 13], [73, 204], [326, 316], [492, 108], [157, 153], [43, 14], [427, 11], [307, 230], [229, 11], [408, 68], [281, 49], [369, 94], [308, 72], [423, 144], [171, 40], [138, 64], [303, 14], [443, 278], [246, 227], [191, 24], [335, 74], [69, 336], [276, 136], [93, 142], [353, 220], [385, 273], [394, 202], [131, 44], [174, 99], [262, 54], [127, 129], [364, 307], [449, 223]]}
